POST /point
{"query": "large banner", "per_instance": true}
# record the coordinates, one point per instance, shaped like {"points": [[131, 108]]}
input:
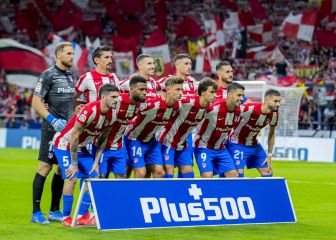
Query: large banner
{"points": [[303, 149], [155, 203]]}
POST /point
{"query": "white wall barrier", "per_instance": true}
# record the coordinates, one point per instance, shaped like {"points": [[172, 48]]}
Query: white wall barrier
{"points": [[304, 149], [286, 148]]}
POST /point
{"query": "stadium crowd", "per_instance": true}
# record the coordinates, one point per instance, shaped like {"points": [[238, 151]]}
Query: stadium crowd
{"points": [[317, 107]]}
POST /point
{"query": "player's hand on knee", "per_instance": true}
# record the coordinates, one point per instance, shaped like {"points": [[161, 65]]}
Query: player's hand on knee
{"points": [[268, 162], [57, 123], [95, 168], [71, 171]]}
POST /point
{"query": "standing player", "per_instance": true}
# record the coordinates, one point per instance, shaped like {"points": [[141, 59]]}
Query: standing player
{"points": [[142, 147], [94, 121], [191, 112], [224, 72], [146, 69], [210, 152], [115, 155], [244, 146], [183, 67], [90, 83], [56, 88]]}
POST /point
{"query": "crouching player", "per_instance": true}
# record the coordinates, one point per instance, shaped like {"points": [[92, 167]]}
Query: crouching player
{"points": [[244, 145], [142, 147], [211, 155], [115, 155], [192, 109], [94, 121]]}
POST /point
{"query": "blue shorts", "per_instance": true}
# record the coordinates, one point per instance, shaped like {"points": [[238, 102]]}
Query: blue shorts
{"points": [[176, 158], [141, 154], [113, 161], [251, 156], [216, 161], [85, 163]]}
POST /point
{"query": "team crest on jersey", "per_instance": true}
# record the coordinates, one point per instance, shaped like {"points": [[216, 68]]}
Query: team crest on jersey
{"points": [[237, 162], [167, 157], [143, 106], [135, 160], [82, 118], [38, 86], [203, 165]]}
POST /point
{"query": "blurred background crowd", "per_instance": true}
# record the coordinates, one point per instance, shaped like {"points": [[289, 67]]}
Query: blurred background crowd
{"points": [[128, 24]]}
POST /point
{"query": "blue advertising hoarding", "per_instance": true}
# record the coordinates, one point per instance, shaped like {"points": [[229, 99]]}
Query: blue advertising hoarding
{"points": [[155, 203]]}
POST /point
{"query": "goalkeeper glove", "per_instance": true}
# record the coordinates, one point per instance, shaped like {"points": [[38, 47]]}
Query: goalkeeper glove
{"points": [[57, 123]]}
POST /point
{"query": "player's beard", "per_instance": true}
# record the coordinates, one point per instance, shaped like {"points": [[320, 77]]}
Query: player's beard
{"points": [[273, 109], [67, 64], [227, 81], [138, 99]]}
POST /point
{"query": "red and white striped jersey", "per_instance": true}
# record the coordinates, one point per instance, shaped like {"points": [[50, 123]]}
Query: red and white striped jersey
{"points": [[251, 123], [126, 111], [176, 131], [152, 87], [221, 93], [90, 83], [93, 122], [153, 114], [217, 125], [189, 85]]}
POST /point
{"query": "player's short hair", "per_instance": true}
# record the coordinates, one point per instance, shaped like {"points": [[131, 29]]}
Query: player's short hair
{"points": [[221, 64], [272, 92], [99, 51], [135, 80], [205, 83], [142, 57], [173, 80], [107, 88], [234, 86], [61, 46], [181, 56]]}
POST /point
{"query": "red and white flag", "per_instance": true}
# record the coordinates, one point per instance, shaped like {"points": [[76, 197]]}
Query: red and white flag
{"points": [[300, 26], [270, 53], [287, 81], [207, 58], [68, 34], [156, 46], [214, 30], [261, 33], [124, 62], [22, 64]]}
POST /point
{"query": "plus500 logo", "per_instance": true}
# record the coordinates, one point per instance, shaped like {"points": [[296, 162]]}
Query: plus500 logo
{"points": [[207, 209], [291, 153]]}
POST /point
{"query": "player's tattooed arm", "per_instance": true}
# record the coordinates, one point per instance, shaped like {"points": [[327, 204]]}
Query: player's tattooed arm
{"points": [[74, 142]]}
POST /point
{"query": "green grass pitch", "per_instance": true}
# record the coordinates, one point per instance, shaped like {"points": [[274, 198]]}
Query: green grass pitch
{"points": [[312, 187]]}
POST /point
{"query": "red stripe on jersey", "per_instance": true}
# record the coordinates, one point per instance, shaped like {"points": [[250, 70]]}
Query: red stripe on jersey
{"points": [[189, 85], [246, 132], [217, 126], [93, 121], [189, 115], [90, 83], [154, 113], [152, 87], [126, 111]]}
